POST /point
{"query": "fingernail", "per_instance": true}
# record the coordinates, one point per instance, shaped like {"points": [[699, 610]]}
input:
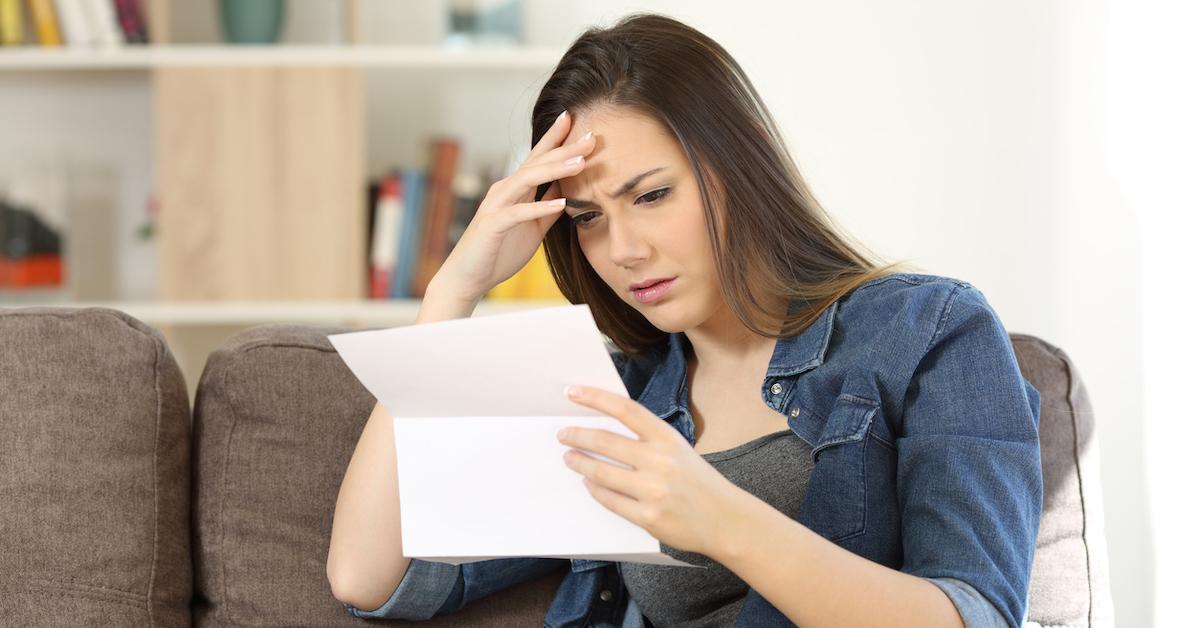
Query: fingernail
{"points": [[567, 391], [574, 160], [562, 433], [560, 116], [584, 138], [559, 201], [572, 392]]}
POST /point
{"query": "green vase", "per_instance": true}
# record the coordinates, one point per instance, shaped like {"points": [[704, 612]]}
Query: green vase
{"points": [[251, 21]]}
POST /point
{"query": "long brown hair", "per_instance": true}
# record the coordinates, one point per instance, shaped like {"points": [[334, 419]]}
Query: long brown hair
{"points": [[770, 237]]}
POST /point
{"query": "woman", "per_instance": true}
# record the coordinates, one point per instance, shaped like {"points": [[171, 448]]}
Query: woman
{"points": [[838, 442]]}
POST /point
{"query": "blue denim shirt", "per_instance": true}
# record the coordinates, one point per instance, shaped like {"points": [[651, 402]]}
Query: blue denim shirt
{"points": [[925, 447]]}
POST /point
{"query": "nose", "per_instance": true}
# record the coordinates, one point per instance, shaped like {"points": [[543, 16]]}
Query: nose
{"points": [[627, 247]]}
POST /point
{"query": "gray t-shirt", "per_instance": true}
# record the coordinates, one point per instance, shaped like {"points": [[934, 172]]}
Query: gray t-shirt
{"points": [[775, 468]]}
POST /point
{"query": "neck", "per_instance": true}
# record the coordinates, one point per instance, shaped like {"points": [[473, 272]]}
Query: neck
{"points": [[723, 343]]}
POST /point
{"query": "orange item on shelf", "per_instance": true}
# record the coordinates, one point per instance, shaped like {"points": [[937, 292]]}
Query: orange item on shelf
{"points": [[34, 270]]}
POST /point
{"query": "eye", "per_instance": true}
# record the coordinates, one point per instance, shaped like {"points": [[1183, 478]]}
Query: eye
{"points": [[578, 219], [584, 219], [654, 195]]}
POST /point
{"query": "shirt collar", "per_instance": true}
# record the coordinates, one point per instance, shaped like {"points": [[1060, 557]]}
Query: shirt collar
{"points": [[663, 394]]}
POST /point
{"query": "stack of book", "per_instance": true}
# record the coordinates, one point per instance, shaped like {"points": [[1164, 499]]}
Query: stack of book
{"points": [[416, 217], [83, 23], [30, 250]]}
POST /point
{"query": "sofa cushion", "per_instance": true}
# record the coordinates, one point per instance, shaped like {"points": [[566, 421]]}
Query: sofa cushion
{"points": [[277, 417], [1069, 584], [94, 435]]}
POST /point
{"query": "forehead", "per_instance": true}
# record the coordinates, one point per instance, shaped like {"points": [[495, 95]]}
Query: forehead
{"points": [[627, 143]]}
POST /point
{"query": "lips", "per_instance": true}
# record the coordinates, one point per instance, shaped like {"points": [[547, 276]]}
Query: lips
{"points": [[654, 290], [641, 285]]}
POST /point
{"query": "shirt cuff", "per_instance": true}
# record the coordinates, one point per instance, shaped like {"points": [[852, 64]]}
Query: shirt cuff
{"points": [[421, 592], [976, 610]]}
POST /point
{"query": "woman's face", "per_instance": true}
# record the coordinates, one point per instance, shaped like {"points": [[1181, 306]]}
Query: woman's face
{"points": [[635, 227]]}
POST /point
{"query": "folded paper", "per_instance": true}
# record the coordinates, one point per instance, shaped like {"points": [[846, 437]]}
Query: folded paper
{"points": [[476, 405]]}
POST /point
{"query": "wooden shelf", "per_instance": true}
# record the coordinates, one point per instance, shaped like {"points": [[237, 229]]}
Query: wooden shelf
{"points": [[148, 57], [391, 312]]}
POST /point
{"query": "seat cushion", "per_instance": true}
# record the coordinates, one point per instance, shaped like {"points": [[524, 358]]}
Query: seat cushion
{"points": [[1069, 584], [277, 416], [94, 482]]}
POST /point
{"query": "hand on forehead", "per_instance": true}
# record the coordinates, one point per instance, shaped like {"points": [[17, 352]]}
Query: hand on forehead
{"points": [[626, 143]]}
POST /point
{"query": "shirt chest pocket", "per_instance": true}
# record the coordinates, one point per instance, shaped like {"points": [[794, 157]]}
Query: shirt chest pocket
{"points": [[835, 501]]}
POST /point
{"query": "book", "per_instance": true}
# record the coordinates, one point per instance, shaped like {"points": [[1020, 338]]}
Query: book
{"points": [[45, 22], [468, 194], [372, 198], [12, 23], [407, 252], [383, 243], [439, 207], [101, 19], [131, 21], [73, 22], [400, 204]]}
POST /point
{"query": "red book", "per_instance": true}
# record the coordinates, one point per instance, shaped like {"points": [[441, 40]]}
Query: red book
{"points": [[129, 17], [383, 238]]}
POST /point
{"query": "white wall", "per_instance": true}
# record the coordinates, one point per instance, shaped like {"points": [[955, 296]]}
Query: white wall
{"points": [[1153, 130]]}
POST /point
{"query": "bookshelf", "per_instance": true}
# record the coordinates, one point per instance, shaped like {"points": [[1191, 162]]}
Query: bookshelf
{"points": [[185, 76], [418, 57], [212, 276]]}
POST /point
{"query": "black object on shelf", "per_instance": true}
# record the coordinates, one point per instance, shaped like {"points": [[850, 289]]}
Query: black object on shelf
{"points": [[22, 233]]}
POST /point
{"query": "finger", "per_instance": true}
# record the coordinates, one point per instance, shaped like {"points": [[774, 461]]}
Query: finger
{"points": [[514, 188], [545, 222], [522, 212], [621, 480], [584, 145], [552, 192], [616, 446], [623, 505], [629, 412], [553, 136]]}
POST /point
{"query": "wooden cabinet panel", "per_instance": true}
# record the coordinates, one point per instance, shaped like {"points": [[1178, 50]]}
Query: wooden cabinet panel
{"points": [[260, 176]]}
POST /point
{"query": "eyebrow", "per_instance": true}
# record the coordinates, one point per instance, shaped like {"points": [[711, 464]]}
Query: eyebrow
{"points": [[579, 203]]}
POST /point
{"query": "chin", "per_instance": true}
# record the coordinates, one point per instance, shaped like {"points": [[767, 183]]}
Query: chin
{"points": [[667, 317]]}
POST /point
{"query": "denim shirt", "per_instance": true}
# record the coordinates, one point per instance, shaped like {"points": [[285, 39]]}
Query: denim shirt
{"points": [[924, 437]]}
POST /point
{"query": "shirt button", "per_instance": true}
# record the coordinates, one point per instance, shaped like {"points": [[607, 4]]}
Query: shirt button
{"points": [[795, 412], [776, 388], [606, 595]]}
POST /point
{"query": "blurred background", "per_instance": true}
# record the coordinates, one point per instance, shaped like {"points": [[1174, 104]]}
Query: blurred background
{"points": [[210, 165]]}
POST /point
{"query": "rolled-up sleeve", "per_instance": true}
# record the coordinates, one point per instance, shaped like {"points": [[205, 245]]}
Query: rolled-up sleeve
{"points": [[430, 588], [975, 610], [969, 476], [422, 591]]}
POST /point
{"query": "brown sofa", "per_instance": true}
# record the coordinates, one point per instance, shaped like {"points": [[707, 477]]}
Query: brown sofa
{"points": [[122, 506]]}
